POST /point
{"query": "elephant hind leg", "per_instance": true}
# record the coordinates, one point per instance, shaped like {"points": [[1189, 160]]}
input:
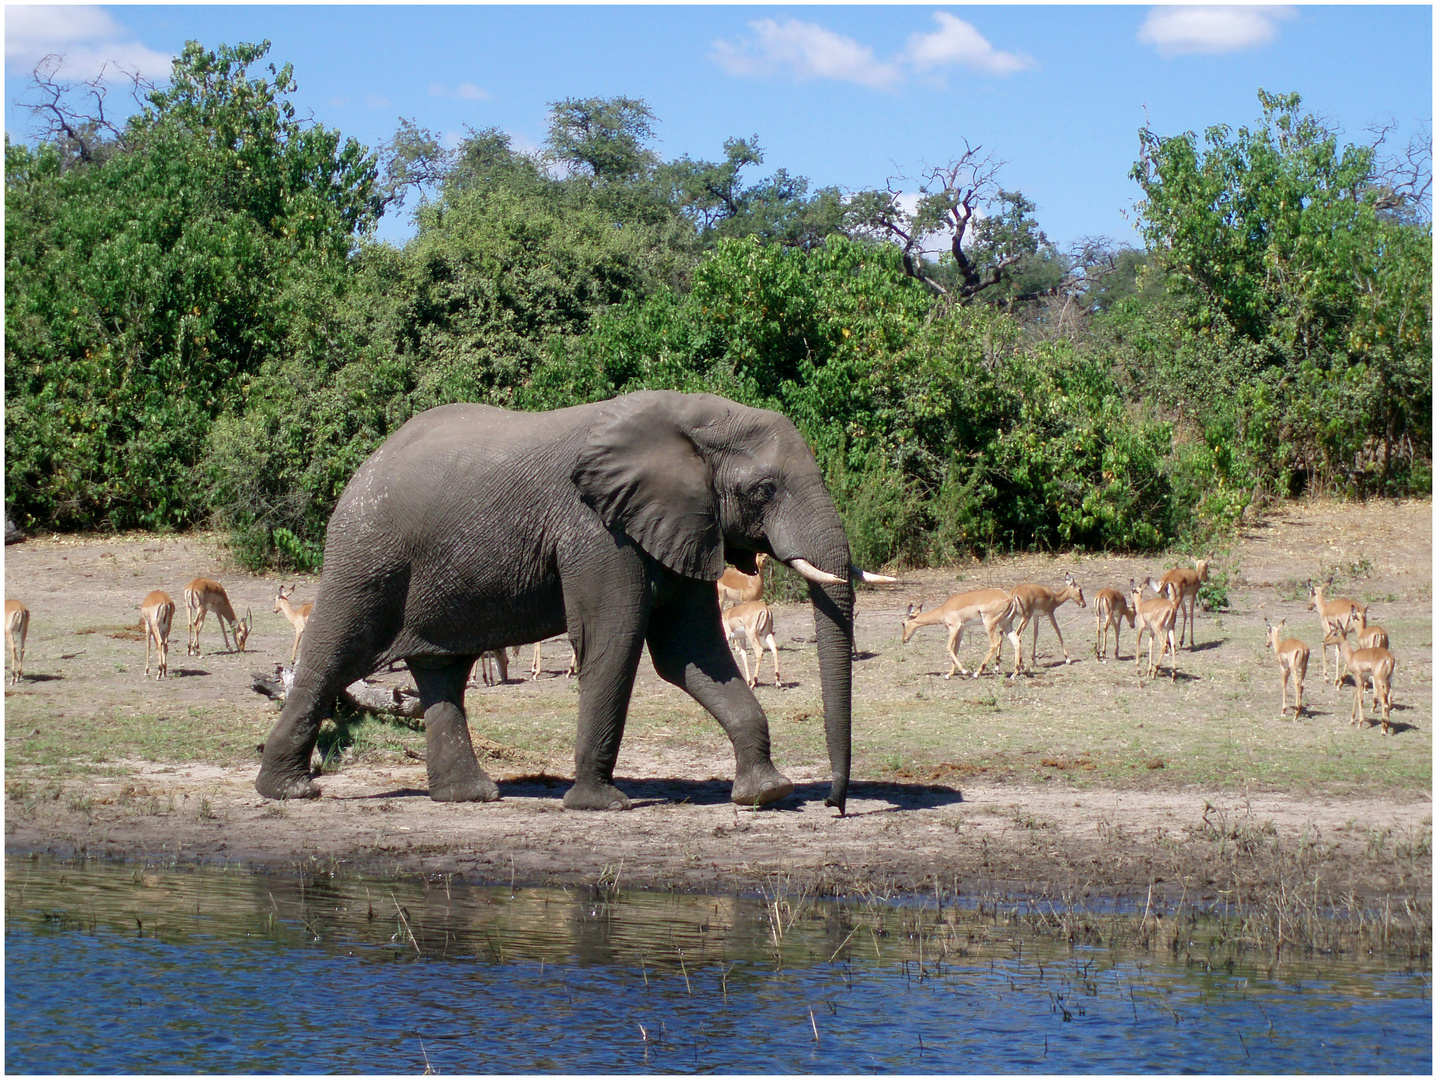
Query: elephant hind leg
{"points": [[284, 772], [454, 771]]}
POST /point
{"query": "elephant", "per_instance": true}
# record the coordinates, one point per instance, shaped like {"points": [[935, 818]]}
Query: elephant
{"points": [[474, 528]]}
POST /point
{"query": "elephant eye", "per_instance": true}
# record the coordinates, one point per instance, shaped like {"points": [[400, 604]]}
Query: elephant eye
{"points": [[761, 491]]}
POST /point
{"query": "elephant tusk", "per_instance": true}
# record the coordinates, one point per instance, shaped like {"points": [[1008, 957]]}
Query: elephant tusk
{"points": [[870, 578], [813, 573]]}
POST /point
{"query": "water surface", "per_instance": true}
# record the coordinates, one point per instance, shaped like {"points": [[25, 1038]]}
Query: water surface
{"points": [[110, 968]]}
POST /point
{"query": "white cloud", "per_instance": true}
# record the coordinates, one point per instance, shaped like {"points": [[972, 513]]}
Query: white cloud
{"points": [[958, 42], [374, 101], [89, 39], [1176, 30], [465, 91], [806, 51]]}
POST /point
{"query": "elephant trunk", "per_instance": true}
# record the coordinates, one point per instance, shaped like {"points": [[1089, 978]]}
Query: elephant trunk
{"points": [[833, 621]]}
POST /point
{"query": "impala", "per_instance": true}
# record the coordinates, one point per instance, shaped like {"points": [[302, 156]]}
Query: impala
{"points": [[1156, 616], [736, 587], [203, 595], [1369, 635], [1182, 586], [958, 609], [1292, 657], [17, 621], [297, 616], [1110, 608], [755, 622], [1030, 601], [1364, 664], [1337, 613], [158, 612]]}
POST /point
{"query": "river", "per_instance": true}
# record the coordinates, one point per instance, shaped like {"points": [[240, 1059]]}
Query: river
{"points": [[123, 969]]}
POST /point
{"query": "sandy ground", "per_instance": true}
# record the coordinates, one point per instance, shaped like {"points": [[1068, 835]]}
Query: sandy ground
{"points": [[982, 831]]}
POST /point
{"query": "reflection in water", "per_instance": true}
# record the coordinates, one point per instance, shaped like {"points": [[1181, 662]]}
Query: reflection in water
{"points": [[113, 969]]}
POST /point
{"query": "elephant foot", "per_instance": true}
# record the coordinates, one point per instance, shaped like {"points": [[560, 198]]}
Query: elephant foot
{"points": [[760, 786], [595, 796], [478, 788], [273, 784]]}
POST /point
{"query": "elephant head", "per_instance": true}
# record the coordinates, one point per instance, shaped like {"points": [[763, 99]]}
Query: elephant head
{"points": [[695, 481]]}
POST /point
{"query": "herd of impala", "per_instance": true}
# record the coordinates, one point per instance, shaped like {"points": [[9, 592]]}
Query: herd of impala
{"points": [[1002, 614], [202, 596]]}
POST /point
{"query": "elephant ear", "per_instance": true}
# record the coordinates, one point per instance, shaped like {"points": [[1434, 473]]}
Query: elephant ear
{"points": [[643, 475]]}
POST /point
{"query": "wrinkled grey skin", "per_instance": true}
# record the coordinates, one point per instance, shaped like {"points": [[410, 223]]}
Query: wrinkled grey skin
{"points": [[474, 528]]}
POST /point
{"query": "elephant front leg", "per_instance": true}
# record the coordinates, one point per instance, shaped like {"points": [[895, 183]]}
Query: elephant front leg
{"points": [[687, 646], [454, 771]]}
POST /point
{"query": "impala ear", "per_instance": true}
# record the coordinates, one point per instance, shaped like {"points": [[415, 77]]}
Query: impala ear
{"points": [[643, 474]]}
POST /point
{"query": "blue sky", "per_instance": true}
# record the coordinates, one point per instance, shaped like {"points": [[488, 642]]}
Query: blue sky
{"points": [[844, 95]]}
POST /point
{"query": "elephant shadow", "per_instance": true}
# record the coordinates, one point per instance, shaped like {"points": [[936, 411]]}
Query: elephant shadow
{"points": [[657, 791]]}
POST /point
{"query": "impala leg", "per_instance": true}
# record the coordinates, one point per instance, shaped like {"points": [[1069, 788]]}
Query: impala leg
{"points": [[995, 643], [773, 647], [1016, 637], [1061, 643], [743, 656], [955, 642]]}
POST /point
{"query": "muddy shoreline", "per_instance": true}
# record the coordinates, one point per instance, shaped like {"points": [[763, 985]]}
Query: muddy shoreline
{"points": [[1070, 846]]}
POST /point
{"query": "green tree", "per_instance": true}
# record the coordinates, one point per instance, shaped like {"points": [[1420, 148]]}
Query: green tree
{"points": [[1306, 301], [144, 286]]}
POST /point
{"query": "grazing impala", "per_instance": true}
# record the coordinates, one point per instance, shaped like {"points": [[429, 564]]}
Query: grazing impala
{"points": [[1292, 655], [1337, 613], [1376, 665], [958, 609], [1030, 601], [1111, 607], [755, 622], [203, 595], [17, 623], [297, 616], [1182, 585], [1154, 617], [158, 612], [736, 587]]}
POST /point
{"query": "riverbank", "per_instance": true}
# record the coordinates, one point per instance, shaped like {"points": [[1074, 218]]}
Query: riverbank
{"points": [[1077, 783]]}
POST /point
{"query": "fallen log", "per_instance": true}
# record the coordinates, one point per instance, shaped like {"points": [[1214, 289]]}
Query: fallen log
{"points": [[391, 700], [363, 695]]}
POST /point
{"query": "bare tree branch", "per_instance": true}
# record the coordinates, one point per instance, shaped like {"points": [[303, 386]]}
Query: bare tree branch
{"points": [[81, 128]]}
